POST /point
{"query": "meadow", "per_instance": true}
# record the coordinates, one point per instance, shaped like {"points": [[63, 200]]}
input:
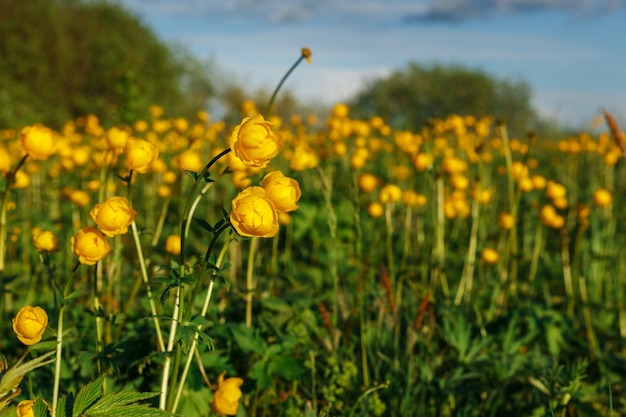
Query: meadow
{"points": [[311, 267]]}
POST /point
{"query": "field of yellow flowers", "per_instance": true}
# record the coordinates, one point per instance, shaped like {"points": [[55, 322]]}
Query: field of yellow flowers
{"points": [[311, 267]]}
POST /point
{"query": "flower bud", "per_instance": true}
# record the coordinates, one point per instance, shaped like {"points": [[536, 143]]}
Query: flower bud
{"points": [[283, 191], [254, 214], [45, 241], [38, 141], [90, 245], [29, 324], [140, 154], [226, 398], [113, 216], [253, 141]]}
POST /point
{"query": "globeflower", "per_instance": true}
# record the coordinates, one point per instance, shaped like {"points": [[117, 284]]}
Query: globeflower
{"points": [[90, 245], [45, 241], [190, 160], [29, 324], [25, 408], [253, 141], [283, 191], [390, 193], [254, 214], [602, 197], [113, 216], [38, 141], [140, 154], [490, 256], [226, 398], [172, 244]]}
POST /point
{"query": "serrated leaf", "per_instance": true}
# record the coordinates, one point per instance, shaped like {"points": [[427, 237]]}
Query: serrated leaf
{"points": [[249, 340], [133, 410], [119, 399], [87, 396], [288, 367], [65, 405], [40, 409], [200, 321], [260, 372]]}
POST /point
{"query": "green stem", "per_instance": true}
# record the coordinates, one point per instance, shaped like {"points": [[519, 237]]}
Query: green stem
{"points": [[144, 275], [250, 280], [465, 286], [280, 84], [441, 247], [512, 206], [161, 222], [205, 308], [57, 365], [167, 366], [187, 213]]}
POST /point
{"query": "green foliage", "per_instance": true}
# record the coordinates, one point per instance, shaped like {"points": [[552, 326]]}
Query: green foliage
{"points": [[91, 402], [64, 58], [408, 98]]}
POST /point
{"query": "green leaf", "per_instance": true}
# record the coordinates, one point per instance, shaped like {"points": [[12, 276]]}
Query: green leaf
{"points": [[40, 409], [87, 396], [204, 224], [132, 410], [260, 372], [121, 405], [288, 367], [192, 174], [248, 339]]}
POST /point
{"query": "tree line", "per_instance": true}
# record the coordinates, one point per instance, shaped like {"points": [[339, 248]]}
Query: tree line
{"points": [[60, 59]]}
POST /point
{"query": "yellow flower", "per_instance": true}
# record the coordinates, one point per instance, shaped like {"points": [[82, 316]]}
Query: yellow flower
{"points": [[113, 216], [190, 160], [172, 244], [226, 398], [367, 182], [375, 209], [490, 256], [45, 241], [5, 160], [38, 141], [390, 193], [253, 141], [117, 137], [254, 214], [507, 221], [22, 179], [90, 245], [411, 198], [423, 161], [602, 197], [306, 54], [25, 408], [29, 324], [140, 154], [283, 191], [80, 197], [303, 158]]}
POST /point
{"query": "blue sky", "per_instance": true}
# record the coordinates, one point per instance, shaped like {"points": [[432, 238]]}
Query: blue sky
{"points": [[571, 52]]}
